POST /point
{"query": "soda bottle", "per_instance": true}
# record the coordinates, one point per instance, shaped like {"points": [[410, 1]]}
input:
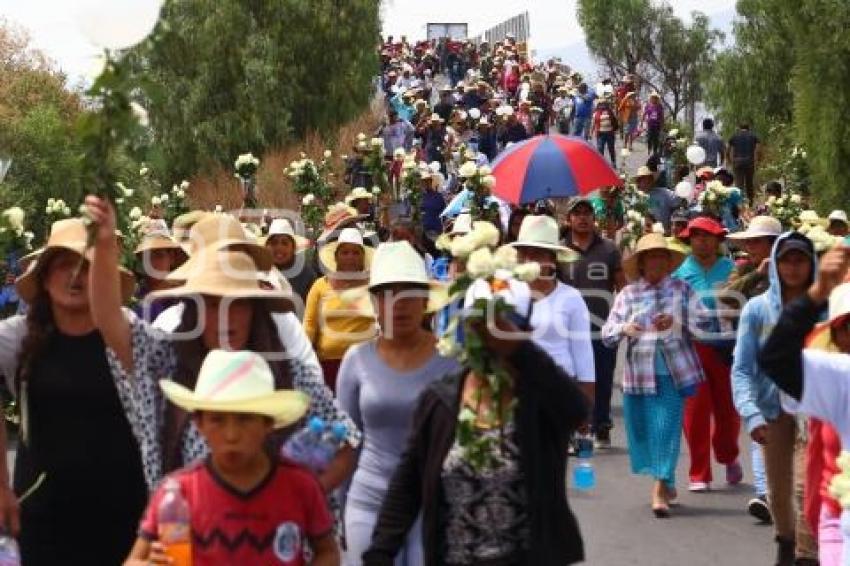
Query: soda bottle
{"points": [[10, 554], [302, 446], [584, 476], [175, 525]]}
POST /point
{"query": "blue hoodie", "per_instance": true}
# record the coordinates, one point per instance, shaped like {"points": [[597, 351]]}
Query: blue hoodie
{"points": [[756, 397]]}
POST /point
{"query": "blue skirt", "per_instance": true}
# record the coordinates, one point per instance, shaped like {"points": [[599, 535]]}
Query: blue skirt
{"points": [[654, 430]]}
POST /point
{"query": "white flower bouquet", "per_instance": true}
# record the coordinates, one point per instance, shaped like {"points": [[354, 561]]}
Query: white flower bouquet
{"points": [[246, 166], [786, 209]]}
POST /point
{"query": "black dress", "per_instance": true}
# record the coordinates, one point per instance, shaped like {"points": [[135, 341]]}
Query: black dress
{"points": [[88, 508]]}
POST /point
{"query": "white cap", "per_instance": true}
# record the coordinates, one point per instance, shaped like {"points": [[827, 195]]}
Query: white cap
{"points": [[839, 215]]}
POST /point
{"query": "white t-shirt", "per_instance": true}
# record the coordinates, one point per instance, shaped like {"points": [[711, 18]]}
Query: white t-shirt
{"points": [[561, 324], [826, 391], [289, 329]]}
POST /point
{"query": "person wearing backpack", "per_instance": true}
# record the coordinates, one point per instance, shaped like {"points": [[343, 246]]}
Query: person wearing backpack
{"points": [[605, 126]]}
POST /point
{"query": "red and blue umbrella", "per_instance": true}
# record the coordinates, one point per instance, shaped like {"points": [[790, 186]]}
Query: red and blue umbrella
{"points": [[550, 167]]}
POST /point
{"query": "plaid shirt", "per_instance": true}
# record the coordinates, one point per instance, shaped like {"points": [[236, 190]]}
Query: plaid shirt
{"points": [[640, 302]]}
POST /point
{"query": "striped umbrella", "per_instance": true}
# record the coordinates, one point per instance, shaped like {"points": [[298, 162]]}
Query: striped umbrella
{"points": [[549, 167]]}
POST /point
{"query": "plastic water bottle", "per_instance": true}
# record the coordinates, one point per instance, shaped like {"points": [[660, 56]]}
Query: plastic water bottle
{"points": [[332, 439], [303, 445], [175, 525], [584, 476], [10, 554]]}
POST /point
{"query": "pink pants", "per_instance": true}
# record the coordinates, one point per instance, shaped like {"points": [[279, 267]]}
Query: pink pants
{"points": [[830, 543]]}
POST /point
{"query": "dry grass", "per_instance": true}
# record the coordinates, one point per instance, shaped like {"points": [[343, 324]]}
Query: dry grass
{"points": [[274, 188]]}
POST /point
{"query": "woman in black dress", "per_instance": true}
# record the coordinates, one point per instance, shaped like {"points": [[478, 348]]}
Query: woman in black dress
{"points": [[74, 429]]}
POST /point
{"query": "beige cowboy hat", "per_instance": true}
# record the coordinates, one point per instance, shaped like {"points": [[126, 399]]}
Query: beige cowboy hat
{"points": [[159, 241], [759, 227], [358, 193], [229, 274], [238, 382], [649, 242], [70, 235], [398, 262], [347, 236], [644, 171], [538, 231], [339, 216], [182, 225], [282, 227], [215, 233]]}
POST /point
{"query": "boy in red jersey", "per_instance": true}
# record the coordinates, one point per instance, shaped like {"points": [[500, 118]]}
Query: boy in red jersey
{"points": [[245, 506]]}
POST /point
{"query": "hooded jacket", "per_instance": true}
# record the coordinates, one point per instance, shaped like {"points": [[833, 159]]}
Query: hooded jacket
{"points": [[756, 397]]}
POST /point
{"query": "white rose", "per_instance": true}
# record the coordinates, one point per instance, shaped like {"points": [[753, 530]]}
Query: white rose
{"points": [[15, 216], [468, 169], [143, 171], [155, 201], [361, 145], [489, 181], [803, 154], [328, 153], [308, 200], [485, 170], [771, 200], [128, 192], [505, 257], [376, 190], [66, 211], [485, 234], [447, 347], [184, 185], [377, 142], [135, 213], [527, 271], [51, 202], [462, 246], [163, 198], [711, 197], [361, 137], [796, 199], [780, 201], [481, 263], [140, 114], [119, 201]]}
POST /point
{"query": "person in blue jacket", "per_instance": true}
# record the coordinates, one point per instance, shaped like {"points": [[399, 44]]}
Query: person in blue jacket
{"points": [[756, 396]]}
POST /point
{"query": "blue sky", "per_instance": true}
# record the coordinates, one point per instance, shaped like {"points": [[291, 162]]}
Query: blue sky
{"points": [[52, 24]]}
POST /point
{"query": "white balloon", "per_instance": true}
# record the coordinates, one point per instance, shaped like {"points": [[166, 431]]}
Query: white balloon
{"points": [[117, 24], [695, 155], [684, 190]]}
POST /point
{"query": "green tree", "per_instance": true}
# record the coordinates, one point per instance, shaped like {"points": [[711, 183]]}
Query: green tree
{"points": [[648, 40], [228, 76]]}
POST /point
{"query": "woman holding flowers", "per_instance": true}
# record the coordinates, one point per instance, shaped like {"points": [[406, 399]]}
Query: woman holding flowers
{"points": [[489, 441], [653, 314], [76, 440]]}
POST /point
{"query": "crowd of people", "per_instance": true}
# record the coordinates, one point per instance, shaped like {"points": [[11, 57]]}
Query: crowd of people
{"points": [[191, 373]]}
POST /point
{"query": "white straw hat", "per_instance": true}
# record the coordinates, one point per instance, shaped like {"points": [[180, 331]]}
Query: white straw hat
{"points": [[398, 262], [540, 231], [760, 227], [282, 227], [346, 236], [238, 382], [358, 193]]}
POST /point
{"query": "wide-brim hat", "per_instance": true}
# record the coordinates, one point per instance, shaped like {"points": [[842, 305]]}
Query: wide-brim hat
{"points": [[540, 231], [282, 227], [644, 171], [358, 193], [759, 227], [339, 216], [70, 235], [159, 242], [646, 243], [182, 225], [228, 274], [215, 233], [399, 263], [238, 382], [327, 254]]}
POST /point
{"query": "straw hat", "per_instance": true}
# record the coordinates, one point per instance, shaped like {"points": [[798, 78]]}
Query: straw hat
{"points": [[339, 216], [760, 227], [358, 193], [228, 274], [542, 232], [238, 382], [649, 242], [282, 227], [70, 235], [644, 171], [182, 225], [348, 236], [158, 241], [398, 262], [216, 233]]}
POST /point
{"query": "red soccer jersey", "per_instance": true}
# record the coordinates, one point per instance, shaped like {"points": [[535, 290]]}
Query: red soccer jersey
{"points": [[269, 525]]}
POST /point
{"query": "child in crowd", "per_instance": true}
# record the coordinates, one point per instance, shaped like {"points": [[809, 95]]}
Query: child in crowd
{"points": [[246, 506]]}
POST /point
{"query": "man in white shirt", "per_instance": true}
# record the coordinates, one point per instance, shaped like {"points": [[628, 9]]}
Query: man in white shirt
{"points": [[560, 320]]}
